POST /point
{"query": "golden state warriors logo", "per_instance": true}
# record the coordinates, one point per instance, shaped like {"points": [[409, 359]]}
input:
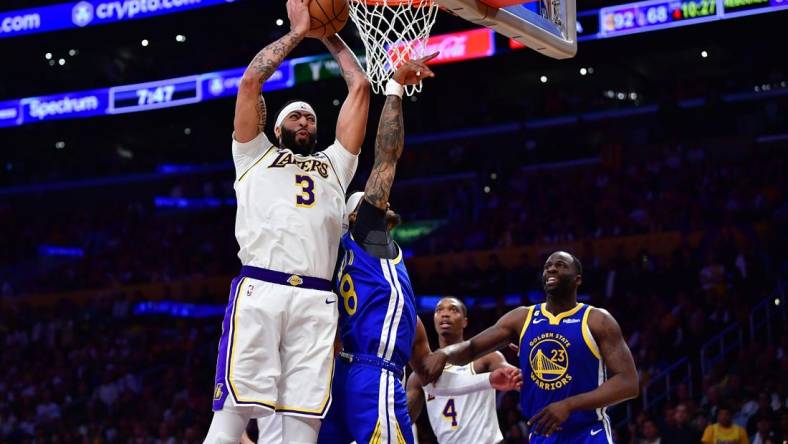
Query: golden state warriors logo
{"points": [[549, 361]]}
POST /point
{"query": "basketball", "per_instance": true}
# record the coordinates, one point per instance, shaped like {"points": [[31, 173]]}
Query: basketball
{"points": [[328, 17]]}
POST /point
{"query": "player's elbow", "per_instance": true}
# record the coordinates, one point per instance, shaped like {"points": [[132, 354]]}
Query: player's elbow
{"points": [[632, 387], [360, 86], [250, 83]]}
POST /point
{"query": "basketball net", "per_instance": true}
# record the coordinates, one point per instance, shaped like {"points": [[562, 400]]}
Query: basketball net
{"points": [[392, 31]]}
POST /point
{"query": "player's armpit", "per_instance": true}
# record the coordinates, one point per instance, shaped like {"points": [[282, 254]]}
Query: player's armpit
{"points": [[614, 350]]}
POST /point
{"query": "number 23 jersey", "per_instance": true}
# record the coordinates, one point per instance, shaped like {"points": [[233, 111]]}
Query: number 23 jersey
{"points": [[290, 207]]}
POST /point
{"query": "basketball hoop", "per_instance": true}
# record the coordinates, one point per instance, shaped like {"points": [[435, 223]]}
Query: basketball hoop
{"points": [[392, 31]]}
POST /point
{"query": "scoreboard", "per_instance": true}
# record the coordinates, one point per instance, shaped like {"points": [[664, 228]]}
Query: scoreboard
{"points": [[650, 15]]}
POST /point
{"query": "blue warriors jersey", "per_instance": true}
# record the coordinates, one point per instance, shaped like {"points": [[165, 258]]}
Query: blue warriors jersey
{"points": [[377, 313], [559, 358]]}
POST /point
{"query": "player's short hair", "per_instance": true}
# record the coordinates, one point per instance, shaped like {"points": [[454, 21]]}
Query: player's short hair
{"points": [[578, 264], [463, 307]]}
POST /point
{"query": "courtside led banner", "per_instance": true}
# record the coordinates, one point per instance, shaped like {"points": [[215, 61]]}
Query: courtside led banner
{"points": [[89, 13], [134, 98]]}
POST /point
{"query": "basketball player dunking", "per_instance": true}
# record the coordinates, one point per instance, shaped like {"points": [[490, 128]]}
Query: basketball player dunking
{"points": [[276, 348], [566, 350], [464, 418]]}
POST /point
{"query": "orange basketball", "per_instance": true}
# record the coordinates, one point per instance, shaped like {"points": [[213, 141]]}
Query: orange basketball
{"points": [[328, 17]]}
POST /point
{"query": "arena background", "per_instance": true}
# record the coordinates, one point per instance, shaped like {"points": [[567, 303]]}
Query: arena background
{"points": [[657, 157]]}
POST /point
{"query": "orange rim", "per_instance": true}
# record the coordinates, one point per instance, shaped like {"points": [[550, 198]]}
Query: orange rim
{"points": [[412, 3]]}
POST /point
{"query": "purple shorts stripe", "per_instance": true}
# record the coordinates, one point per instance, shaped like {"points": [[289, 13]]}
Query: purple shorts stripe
{"points": [[221, 389]]}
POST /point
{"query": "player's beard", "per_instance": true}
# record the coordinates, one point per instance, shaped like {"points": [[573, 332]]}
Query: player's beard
{"points": [[288, 140], [562, 288]]}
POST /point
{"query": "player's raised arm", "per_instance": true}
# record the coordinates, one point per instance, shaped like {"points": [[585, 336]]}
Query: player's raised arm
{"points": [[390, 139], [250, 111], [352, 121], [504, 332], [622, 385]]}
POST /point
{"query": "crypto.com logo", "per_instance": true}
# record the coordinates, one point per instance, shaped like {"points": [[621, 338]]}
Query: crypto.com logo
{"points": [[82, 14]]}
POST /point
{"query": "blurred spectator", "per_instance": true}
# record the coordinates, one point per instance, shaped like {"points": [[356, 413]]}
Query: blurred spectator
{"points": [[650, 433], [724, 431], [680, 431]]}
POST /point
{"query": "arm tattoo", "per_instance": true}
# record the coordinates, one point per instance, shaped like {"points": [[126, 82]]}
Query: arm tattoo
{"points": [[348, 63], [261, 113], [269, 58], [263, 67], [388, 148]]}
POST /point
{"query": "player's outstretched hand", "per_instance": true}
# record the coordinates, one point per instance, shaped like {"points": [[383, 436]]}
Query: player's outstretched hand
{"points": [[550, 418], [413, 71], [433, 366], [505, 379], [298, 14]]}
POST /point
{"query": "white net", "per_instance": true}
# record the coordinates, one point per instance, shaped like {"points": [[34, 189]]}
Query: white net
{"points": [[392, 31]]}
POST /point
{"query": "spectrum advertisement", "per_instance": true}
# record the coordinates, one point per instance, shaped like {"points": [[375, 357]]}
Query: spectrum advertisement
{"points": [[134, 98], [89, 13]]}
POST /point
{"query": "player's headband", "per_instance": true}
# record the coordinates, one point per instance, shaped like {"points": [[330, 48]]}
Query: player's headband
{"points": [[295, 106], [350, 206]]}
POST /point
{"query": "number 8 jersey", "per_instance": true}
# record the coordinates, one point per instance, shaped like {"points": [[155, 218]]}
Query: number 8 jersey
{"points": [[377, 308], [290, 207]]}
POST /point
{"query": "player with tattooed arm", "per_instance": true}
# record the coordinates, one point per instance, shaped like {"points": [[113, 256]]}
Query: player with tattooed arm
{"points": [[276, 349]]}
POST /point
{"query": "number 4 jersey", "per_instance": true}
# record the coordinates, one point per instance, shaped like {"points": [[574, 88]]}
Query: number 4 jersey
{"points": [[470, 418], [290, 207]]}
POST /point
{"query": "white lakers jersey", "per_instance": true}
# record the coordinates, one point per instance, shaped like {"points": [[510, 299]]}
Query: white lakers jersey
{"points": [[290, 207], [463, 419]]}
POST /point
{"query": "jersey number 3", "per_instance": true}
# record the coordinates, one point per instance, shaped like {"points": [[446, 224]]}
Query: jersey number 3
{"points": [[450, 412], [306, 198]]}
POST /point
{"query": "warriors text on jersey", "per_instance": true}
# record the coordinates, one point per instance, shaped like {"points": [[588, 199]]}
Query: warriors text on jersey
{"points": [[559, 358]]}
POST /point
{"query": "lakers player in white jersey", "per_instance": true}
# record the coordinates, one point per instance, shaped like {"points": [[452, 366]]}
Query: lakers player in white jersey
{"points": [[276, 349], [469, 418]]}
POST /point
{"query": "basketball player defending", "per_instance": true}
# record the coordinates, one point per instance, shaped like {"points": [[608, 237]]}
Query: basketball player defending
{"points": [[566, 350], [465, 418], [378, 326], [276, 349]]}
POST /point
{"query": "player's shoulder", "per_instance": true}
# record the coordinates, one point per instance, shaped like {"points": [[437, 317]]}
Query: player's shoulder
{"points": [[598, 312]]}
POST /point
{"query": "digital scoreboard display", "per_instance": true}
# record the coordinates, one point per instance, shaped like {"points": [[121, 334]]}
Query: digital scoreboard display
{"points": [[649, 15], [162, 94]]}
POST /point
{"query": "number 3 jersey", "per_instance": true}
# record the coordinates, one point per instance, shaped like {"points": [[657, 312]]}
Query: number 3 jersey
{"points": [[290, 207], [470, 418], [559, 358], [377, 308]]}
